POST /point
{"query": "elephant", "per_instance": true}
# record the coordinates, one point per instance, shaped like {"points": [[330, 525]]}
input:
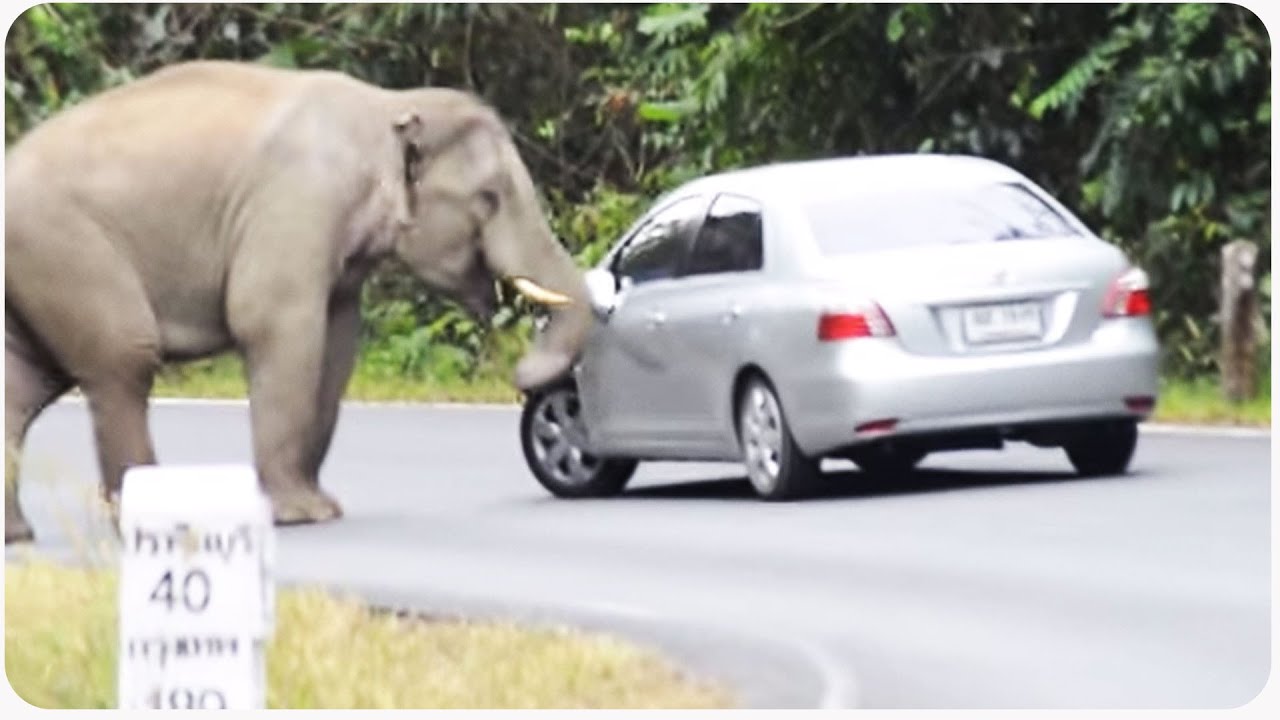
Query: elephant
{"points": [[215, 206]]}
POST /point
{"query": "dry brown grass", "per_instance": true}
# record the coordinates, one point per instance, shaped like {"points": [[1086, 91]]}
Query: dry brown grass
{"points": [[329, 652]]}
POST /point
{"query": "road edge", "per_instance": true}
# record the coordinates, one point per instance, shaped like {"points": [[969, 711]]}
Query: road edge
{"points": [[1238, 431]]}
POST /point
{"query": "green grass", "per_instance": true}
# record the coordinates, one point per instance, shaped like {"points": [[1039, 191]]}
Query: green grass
{"points": [[220, 377], [376, 386], [1201, 402], [1182, 401], [223, 377], [331, 652]]}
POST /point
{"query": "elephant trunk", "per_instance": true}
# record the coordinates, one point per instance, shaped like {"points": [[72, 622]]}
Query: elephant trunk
{"points": [[558, 283], [563, 337], [521, 247]]}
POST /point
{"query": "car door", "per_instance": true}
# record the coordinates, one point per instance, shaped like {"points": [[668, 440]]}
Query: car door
{"points": [[626, 375], [707, 317]]}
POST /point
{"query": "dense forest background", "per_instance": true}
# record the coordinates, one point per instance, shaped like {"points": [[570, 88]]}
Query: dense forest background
{"points": [[1152, 121]]}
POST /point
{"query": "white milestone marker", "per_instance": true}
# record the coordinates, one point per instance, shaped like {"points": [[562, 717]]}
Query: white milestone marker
{"points": [[196, 596]]}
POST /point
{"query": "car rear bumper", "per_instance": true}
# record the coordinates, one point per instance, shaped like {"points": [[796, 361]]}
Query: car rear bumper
{"points": [[871, 380]]}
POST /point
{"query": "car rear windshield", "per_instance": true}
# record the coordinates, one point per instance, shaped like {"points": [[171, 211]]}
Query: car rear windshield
{"points": [[869, 222]]}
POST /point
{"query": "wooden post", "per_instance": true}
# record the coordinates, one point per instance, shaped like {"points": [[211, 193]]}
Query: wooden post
{"points": [[1238, 359]]}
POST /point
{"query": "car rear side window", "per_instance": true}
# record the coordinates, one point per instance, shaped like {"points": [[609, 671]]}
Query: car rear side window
{"points": [[730, 239], [656, 248], [870, 222]]}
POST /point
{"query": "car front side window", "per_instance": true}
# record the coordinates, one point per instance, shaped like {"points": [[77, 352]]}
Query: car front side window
{"points": [[655, 250]]}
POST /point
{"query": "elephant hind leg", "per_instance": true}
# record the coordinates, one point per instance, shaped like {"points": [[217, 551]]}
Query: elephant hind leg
{"points": [[31, 383], [87, 303]]}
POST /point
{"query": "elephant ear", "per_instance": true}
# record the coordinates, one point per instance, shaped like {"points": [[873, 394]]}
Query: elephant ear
{"points": [[408, 128], [470, 135]]}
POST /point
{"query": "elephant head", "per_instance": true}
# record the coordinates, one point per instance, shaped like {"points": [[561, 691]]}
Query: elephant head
{"points": [[472, 216]]}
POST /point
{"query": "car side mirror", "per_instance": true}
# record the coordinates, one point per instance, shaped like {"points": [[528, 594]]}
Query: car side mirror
{"points": [[602, 290]]}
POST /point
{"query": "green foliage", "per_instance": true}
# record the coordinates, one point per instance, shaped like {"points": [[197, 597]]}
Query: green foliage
{"points": [[590, 227], [668, 23], [1179, 162], [1151, 120], [1071, 88]]}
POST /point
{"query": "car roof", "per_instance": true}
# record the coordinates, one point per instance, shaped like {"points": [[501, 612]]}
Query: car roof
{"points": [[816, 179]]}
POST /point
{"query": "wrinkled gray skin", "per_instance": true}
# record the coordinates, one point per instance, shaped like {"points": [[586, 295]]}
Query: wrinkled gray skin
{"points": [[213, 206]]}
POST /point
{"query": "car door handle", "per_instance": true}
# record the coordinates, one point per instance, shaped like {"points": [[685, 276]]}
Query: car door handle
{"points": [[731, 315], [657, 319]]}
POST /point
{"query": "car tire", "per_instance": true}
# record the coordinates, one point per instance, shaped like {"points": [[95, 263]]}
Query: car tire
{"points": [[553, 438], [1103, 448], [776, 467], [886, 461]]}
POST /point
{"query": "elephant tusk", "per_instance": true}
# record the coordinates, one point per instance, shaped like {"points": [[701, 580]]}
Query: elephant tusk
{"points": [[539, 294]]}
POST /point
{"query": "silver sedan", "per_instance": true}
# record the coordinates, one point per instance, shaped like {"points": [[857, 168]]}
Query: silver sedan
{"points": [[876, 309]]}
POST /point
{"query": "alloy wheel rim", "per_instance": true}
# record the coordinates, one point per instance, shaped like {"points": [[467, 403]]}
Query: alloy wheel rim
{"points": [[559, 439], [761, 420]]}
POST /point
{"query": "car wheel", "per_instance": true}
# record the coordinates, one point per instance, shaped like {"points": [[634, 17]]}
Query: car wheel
{"points": [[1104, 448], [776, 467], [553, 437], [885, 460]]}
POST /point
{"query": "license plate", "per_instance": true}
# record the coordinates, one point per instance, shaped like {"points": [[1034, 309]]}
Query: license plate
{"points": [[1007, 322]]}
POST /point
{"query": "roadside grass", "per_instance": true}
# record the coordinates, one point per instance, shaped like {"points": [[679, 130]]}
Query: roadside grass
{"points": [[223, 377], [219, 377], [374, 386], [332, 652], [1201, 401]]}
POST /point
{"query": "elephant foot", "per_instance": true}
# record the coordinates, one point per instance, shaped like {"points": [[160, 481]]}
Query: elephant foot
{"points": [[16, 530], [302, 505]]}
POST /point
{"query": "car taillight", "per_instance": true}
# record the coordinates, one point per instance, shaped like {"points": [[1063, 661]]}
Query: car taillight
{"points": [[1128, 295], [868, 321]]}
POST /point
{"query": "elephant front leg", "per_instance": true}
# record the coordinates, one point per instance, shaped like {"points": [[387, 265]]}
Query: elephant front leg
{"points": [[286, 364]]}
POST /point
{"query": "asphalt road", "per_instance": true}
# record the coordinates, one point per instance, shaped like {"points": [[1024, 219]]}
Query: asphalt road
{"points": [[990, 579]]}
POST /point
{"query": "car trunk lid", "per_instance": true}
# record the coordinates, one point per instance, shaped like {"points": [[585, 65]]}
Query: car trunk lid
{"points": [[975, 298]]}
